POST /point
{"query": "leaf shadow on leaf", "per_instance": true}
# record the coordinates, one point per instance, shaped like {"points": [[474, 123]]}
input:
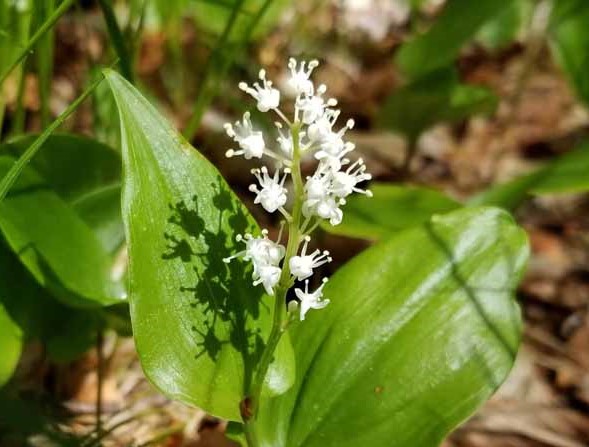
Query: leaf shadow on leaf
{"points": [[211, 296], [472, 292]]}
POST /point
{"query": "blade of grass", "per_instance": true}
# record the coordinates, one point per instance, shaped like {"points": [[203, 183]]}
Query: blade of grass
{"points": [[118, 40], [208, 90], [19, 115], [205, 93], [45, 59], [12, 175], [46, 26]]}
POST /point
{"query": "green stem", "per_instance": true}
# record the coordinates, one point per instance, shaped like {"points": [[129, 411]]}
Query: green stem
{"points": [[279, 322], [209, 91], [118, 40], [12, 175], [45, 61], [409, 156], [99, 378], [206, 93], [47, 25], [20, 113]]}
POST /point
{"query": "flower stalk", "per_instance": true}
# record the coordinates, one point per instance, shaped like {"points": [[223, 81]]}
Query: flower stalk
{"points": [[318, 197], [279, 322]]}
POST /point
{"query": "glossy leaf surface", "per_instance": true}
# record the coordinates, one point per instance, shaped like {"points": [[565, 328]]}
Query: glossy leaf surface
{"points": [[86, 174], [391, 209], [421, 330], [198, 322], [55, 244]]}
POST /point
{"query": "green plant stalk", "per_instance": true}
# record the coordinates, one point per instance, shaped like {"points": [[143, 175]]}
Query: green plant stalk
{"points": [[45, 61], [209, 91], [46, 26], [118, 40], [206, 92], [12, 175], [99, 378], [284, 284], [19, 115]]}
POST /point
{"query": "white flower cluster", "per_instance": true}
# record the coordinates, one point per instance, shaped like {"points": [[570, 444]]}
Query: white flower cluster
{"points": [[323, 193]]}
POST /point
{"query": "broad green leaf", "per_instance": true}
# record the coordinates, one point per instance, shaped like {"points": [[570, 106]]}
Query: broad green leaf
{"points": [[421, 330], [198, 322], [391, 209], [10, 345], [439, 97], [440, 45], [566, 174], [570, 42], [86, 174], [66, 332], [58, 248]]}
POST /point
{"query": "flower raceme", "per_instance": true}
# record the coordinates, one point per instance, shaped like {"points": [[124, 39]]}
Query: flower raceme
{"points": [[312, 130]]}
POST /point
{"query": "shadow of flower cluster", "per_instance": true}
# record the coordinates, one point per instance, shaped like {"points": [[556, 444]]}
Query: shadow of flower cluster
{"points": [[222, 303]]}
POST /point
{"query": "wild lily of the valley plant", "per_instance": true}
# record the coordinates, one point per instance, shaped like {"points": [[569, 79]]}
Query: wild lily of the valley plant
{"points": [[310, 132], [398, 347]]}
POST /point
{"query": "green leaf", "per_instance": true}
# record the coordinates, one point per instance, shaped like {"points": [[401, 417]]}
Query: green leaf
{"points": [[566, 174], [421, 330], [391, 209], [570, 42], [66, 332], [199, 325], [440, 45], [10, 345], [57, 247], [505, 27], [439, 97], [86, 174], [212, 16]]}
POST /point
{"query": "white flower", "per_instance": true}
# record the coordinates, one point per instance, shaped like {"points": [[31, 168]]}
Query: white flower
{"points": [[265, 256], [299, 81], [326, 208], [312, 106], [285, 141], [250, 141], [344, 182], [273, 193], [319, 130], [329, 209], [311, 300], [260, 250], [268, 276], [268, 98], [302, 266], [318, 186], [319, 198], [332, 144]]}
